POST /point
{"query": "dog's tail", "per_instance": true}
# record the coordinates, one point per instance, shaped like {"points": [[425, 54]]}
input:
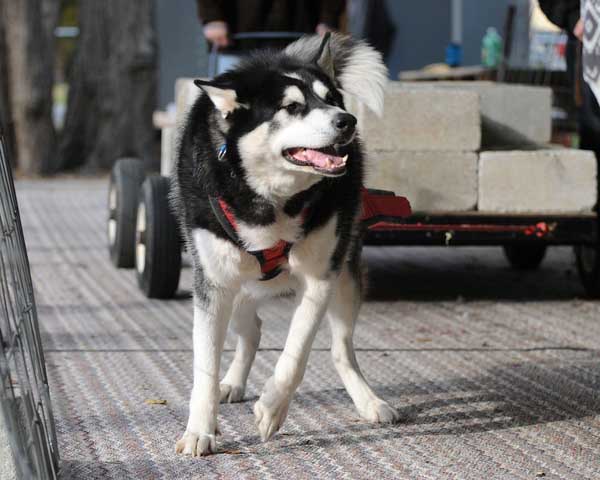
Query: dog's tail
{"points": [[355, 65]]}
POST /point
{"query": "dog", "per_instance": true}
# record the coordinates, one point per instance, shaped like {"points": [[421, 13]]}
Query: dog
{"points": [[267, 192]]}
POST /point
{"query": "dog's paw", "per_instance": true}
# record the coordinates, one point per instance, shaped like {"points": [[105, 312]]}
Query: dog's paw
{"points": [[270, 418], [378, 411], [231, 393], [196, 445]]}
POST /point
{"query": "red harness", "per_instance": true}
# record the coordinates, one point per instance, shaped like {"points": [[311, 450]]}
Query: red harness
{"points": [[377, 205]]}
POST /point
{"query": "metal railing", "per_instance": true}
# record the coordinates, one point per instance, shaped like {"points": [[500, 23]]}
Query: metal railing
{"points": [[25, 411]]}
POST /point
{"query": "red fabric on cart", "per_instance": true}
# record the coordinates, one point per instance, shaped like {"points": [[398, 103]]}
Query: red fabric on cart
{"points": [[375, 205]]}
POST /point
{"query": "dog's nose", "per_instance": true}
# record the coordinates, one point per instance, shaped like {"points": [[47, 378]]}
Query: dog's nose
{"points": [[345, 122]]}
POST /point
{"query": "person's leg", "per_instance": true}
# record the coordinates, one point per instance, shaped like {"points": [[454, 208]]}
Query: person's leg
{"points": [[589, 121]]}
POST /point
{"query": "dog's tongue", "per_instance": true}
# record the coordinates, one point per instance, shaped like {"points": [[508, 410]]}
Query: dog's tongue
{"points": [[317, 158]]}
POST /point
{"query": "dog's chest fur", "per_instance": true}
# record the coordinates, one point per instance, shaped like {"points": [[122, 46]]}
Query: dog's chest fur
{"points": [[262, 237], [310, 253]]}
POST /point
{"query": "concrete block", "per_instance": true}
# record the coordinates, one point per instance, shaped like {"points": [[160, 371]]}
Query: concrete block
{"points": [[167, 150], [510, 114], [186, 94], [422, 119], [544, 181], [432, 181]]}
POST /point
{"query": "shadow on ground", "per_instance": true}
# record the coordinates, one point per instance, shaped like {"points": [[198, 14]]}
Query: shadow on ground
{"points": [[433, 273]]}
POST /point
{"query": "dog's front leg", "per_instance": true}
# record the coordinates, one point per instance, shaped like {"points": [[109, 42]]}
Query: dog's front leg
{"points": [[272, 407], [212, 310]]}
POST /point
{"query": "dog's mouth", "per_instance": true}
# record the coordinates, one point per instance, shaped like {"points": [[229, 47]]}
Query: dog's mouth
{"points": [[323, 160]]}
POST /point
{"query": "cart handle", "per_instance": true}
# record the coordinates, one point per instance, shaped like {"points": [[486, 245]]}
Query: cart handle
{"points": [[214, 50], [267, 35]]}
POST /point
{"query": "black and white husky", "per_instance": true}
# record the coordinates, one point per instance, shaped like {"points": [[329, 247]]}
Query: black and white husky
{"points": [[267, 190]]}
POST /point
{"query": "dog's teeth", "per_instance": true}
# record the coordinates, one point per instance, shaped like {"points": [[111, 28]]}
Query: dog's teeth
{"points": [[344, 159]]}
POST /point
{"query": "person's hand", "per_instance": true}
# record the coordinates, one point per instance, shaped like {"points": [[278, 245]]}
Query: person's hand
{"points": [[217, 33], [323, 28], [579, 29]]}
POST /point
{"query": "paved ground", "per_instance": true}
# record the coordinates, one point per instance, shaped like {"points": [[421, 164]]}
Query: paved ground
{"points": [[498, 372]]}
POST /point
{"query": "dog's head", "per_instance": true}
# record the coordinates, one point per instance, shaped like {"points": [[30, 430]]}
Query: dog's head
{"points": [[283, 116]]}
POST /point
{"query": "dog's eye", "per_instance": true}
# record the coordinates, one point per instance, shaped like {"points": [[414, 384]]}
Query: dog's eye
{"points": [[294, 108]]}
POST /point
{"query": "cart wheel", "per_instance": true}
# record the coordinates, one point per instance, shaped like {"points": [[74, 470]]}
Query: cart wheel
{"points": [[125, 179], [157, 244], [587, 259], [525, 256]]}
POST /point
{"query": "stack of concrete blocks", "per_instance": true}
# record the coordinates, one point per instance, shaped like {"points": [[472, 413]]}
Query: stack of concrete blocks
{"points": [[465, 146]]}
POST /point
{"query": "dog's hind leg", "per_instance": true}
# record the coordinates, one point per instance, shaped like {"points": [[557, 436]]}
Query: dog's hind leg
{"points": [[272, 407], [246, 324], [342, 313]]}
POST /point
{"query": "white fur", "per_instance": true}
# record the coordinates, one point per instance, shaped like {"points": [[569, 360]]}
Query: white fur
{"points": [[293, 94], [210, 326], [262, 151], [256, 237], [315, 130], [272, 176], [365, 77], [223, 99], [362, 72], [320, 89], [293, 75], [342, 313], [222, 262], [246, 324]]}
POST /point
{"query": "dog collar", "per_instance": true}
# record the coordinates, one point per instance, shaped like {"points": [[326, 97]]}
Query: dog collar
{"points": [[222, 151]]}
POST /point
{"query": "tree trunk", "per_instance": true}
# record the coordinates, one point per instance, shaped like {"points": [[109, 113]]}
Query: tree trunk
{"points": [[29, 33], [6, 123], [112, 91]]}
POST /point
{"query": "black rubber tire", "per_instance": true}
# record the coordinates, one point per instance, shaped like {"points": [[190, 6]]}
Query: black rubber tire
{"points": [[525, 256], [158, 245], [126, 178], [587, 259]]}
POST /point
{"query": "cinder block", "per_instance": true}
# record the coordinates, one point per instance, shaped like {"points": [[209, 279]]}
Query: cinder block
{"points": [[543, 181], [419, 119], [511, 114], [186, 94], [167, 150], [432, 181]]}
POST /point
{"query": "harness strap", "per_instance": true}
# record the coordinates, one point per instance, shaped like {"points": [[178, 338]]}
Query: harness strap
{"points": [[377, 205], [270, 259]]}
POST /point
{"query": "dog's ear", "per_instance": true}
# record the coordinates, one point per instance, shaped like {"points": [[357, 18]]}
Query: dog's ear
{"points": [[223, 96], [359, 69], [324, 58]]}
